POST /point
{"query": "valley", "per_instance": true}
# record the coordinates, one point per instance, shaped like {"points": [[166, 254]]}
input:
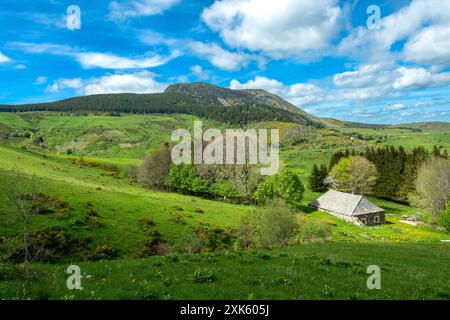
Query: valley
{"points": [[107, 220]]}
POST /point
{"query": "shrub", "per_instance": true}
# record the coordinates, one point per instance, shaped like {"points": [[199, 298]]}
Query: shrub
{"points": [[95, 222], [187, 214], [104, 252], [311, 231], [212, 239], [63, 214], [203, 275], [146, 223], [155, 246], [45, 245], [178, 218], [274, 225], [444, 219], [285, 185]]}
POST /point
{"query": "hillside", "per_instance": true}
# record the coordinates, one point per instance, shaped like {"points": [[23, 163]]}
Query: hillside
{"points": [[200, 99]]}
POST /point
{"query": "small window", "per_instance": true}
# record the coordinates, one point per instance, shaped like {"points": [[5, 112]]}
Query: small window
{"points": [[363, 220], [376, 219]]}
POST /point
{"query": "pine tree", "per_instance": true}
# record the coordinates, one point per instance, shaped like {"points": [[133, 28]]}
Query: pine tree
{"points": [[317, 177]]}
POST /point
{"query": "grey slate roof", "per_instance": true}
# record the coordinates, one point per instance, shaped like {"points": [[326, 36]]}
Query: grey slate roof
{"points": [[345, 203]]}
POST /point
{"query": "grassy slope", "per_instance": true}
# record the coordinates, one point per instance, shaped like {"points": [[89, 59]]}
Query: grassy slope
{"points": [[327, 271], [121, 206], [126, 137]]}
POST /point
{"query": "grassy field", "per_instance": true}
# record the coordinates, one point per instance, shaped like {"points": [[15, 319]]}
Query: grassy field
{"points": [[414, 259], [326, 271]]}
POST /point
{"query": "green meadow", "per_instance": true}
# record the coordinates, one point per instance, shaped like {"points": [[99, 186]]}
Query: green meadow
{"points": [[78, 164]]}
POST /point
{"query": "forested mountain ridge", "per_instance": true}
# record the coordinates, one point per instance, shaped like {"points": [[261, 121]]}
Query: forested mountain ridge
{"points": [[200, 99]]}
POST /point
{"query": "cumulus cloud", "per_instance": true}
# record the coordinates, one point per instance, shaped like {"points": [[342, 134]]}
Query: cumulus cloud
{"points": [[220, 58], [138, 82], [100, 60], [299, 94], [198, 71], [110, 61], [4, 59], [277, 28], [416, 24], [63, 84], [139, 8], [388, 78], [430, 46]]}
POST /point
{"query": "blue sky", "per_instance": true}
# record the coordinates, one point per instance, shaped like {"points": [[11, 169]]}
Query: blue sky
{"points": [[320, 55]]}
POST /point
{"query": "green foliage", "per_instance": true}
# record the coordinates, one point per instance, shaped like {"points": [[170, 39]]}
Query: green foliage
{"points": [[433, 186], [213, 238], [202, 275], [354, 174], [224, 189], [285, 185], [104, 252], [155, 168], [247, 108], [184, 178], [317, 179], [271, 226], [444, 218], [312, 231]]}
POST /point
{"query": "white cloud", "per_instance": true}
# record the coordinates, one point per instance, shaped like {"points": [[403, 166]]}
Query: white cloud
{"points": [[258, 83], [40, 80], [365, 75], [139, 8], [97, 59], [430, 46], [418, 78], [298, 94], [389, 77], [63, 84], [278, 28], [20, 67], [138, 82], [198, 71], [4, 59], [394, 107], [415, 23], [110, 61], [219, 57]]}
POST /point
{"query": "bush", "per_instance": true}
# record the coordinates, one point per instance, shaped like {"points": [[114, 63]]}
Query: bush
{"points": [[444, 219], [145, 223], [104, 252], [203, 275], [63, 214], [178, 218], [46, 245], [95, 222], [312, 231], [285, 185], [215, 238], [274, 225]]}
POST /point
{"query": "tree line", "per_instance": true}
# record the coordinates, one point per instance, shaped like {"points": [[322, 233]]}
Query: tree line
{"points": [[419, 177], [167, 103], [240, 183]]}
